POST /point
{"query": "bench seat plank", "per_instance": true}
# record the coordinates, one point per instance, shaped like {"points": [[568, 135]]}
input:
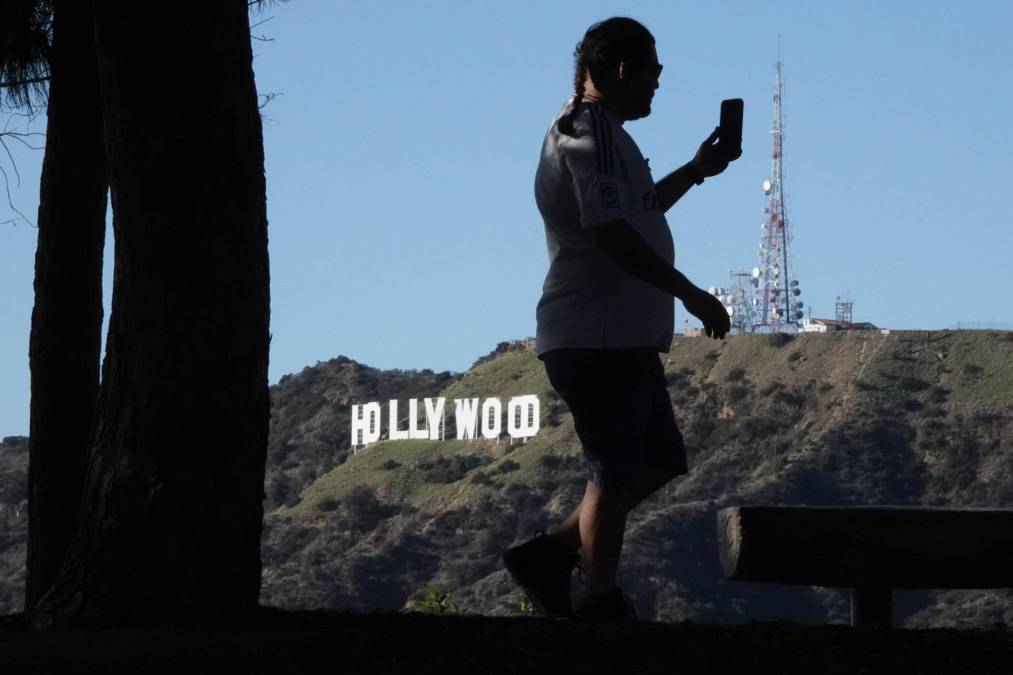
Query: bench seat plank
{"points": [[878, 546]]}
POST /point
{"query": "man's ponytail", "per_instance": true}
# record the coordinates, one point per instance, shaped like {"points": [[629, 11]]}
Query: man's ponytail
{"points": [[565, 124]]}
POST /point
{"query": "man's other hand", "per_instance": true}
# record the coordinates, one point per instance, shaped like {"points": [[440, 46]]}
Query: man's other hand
{"points": [[709, 159], [707, 308]]}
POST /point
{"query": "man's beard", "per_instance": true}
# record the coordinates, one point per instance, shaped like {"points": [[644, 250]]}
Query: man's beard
{"points": [[642, 111]]}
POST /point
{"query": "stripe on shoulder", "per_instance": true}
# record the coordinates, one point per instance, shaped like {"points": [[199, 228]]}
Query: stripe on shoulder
{"points": [[604, 145]]}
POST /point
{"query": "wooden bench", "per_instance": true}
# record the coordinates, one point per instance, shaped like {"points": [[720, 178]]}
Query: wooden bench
{"points": [[870, 549]]}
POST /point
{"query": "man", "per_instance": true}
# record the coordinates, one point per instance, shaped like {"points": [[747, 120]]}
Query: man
{"points": [[606, 312]]}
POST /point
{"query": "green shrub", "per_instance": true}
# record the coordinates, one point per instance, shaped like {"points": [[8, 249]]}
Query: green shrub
{"points": [[551, 461], [912, 384], [737, 392], [778, 340], [527, 609], [972, 370], [363, 511], [438, 602], [449, 469], [912, 405], [507, 466], [792, 399], [481, 478], [329, 504]]}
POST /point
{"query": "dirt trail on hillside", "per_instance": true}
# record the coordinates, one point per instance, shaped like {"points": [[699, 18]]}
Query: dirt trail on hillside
{"points": [[842, 410]]}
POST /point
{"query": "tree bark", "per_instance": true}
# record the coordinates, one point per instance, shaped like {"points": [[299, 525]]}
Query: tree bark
{"points": [[171, 512], [67, 317]]}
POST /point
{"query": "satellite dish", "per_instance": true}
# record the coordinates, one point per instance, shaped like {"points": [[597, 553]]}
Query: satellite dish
{"points": [[794, 282], [798, 315], [799, 305], [755, 302], [797, 291], [731, 310], [766, 187], [756, 272]]}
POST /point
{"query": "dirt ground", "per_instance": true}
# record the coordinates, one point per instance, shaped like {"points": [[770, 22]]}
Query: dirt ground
{"points": [[284, 642]]}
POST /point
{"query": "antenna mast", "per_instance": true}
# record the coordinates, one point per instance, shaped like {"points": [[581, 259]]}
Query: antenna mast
{"points": [[736, 299], [778, 309]]}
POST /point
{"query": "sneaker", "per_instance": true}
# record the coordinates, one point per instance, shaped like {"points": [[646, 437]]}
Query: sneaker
{"points": [[541, 567], [612, 607]]}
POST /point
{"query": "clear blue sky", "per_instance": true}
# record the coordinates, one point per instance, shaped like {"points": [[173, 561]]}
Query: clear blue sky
{"points": [[402, 147]]}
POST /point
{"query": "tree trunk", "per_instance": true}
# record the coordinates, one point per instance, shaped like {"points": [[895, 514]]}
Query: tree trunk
{"points": [[171, 512], [67, 317]]}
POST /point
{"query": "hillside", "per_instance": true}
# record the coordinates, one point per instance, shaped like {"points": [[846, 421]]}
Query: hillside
{"points": [[310, 421], [906, 418]]}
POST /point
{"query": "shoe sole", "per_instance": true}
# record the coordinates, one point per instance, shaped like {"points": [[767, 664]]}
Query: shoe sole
{"points": [[531, 595]]}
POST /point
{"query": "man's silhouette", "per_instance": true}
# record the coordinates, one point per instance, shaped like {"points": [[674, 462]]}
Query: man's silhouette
{"points": [[606, 312]]}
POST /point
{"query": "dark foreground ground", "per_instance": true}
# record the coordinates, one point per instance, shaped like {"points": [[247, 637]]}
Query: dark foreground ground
{"points": [[279, 642]]}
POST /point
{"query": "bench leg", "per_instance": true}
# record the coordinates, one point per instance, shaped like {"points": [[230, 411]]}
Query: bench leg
{"points": [[871, 607]]}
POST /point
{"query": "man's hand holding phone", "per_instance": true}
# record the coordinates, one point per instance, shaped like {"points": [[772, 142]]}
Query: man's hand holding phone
{"points": [[710, 311], [724, 145], [710, 157]]}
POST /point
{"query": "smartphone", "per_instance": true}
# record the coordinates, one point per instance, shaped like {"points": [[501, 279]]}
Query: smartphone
{"points": [[730, 134]]}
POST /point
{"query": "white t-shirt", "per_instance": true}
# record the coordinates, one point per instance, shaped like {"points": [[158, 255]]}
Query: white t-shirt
{"points": [[588, 300]]}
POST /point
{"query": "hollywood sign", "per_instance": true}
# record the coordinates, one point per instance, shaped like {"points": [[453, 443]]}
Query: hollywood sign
{"points": [[472, 420]]}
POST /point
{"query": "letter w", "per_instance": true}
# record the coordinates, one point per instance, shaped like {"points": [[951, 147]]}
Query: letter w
{"points": [[466, 416]]}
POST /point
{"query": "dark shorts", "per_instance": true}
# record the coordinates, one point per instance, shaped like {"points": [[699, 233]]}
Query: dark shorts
{"points": [[621, 410]]}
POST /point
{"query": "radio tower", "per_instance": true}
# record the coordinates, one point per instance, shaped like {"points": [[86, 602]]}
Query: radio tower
{"points": [[778, 309]]}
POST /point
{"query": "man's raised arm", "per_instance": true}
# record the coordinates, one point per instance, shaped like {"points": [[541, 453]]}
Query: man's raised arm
{"points": [[707, 162]]}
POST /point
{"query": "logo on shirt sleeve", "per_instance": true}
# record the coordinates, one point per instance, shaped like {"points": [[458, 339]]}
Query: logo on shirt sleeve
{"points": [[610, 195]]}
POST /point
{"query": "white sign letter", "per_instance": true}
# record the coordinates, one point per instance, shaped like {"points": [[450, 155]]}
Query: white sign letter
{"points": [[367, 423], [522, 416], [492, 410], [465, 416], [433, 417], [413, 421], [395, 433]]}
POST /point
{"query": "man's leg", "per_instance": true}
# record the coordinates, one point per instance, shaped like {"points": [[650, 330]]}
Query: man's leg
{"points": [[648, 479], [646, 482], [602, 525]]}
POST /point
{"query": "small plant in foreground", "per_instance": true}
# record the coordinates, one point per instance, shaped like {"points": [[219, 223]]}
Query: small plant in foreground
{"points": [[438, 602]]}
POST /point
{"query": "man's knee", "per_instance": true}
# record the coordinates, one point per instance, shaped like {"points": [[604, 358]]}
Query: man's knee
{"points": [[649, 480], [660, 475], [670, 472]]}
